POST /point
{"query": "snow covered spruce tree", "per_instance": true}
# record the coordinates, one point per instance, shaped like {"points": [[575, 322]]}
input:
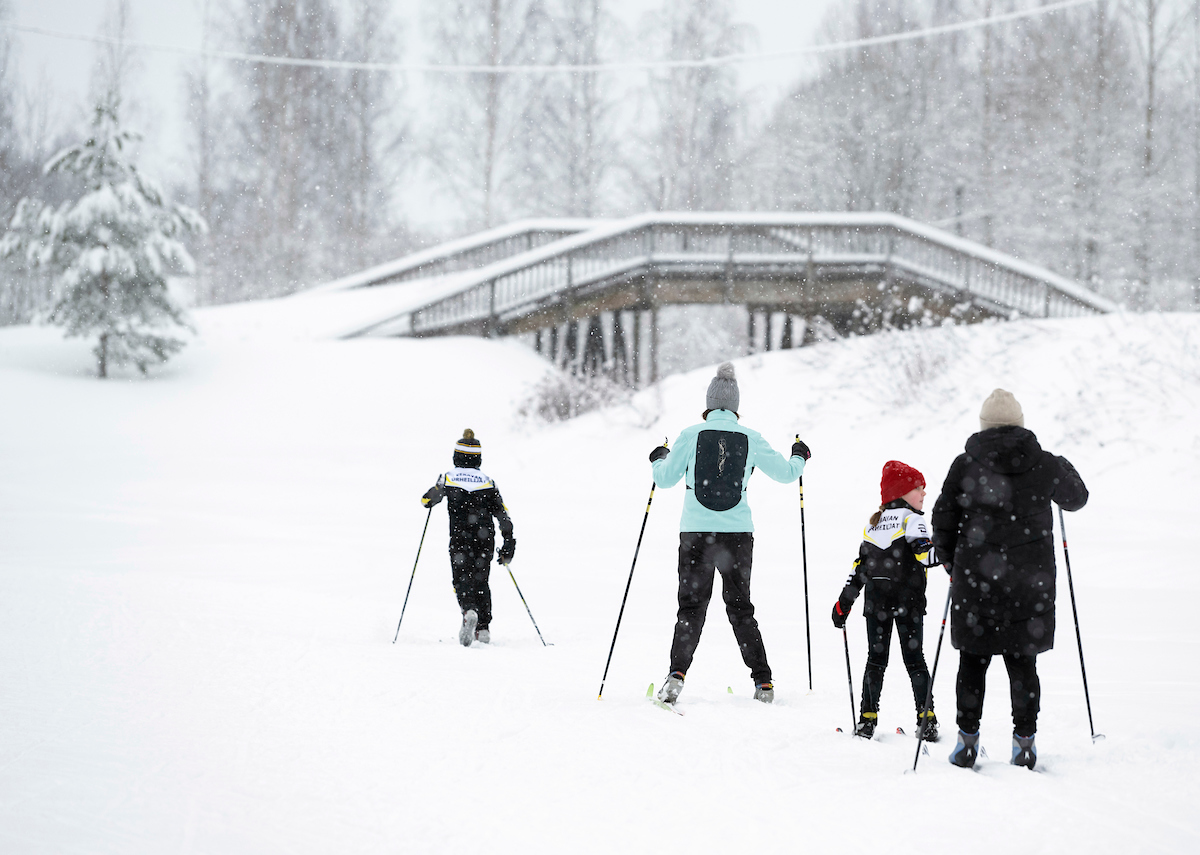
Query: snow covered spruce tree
{"points": [[110, 251]]}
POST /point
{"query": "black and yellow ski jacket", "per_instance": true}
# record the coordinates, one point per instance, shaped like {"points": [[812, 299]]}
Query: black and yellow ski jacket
{"points": [[893, 561]]}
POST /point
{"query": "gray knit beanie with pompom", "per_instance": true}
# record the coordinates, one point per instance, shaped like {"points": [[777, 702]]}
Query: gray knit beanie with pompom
{"points": [[723, 390]]}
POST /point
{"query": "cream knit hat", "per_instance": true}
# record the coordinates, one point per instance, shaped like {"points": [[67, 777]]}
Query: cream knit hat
{"points": [[1000, 409]]}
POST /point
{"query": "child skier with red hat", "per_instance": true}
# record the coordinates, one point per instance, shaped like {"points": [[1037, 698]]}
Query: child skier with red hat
{"points": [[892, 567]]}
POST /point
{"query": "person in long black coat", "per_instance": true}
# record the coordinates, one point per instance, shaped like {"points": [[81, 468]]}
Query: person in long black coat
{"points": [[994, 521]]}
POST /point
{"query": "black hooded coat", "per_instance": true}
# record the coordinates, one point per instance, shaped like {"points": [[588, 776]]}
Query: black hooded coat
{"points": [[993, 519]]}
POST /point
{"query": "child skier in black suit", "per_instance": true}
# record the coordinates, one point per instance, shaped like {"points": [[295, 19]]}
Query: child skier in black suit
{"points": [[473, 501], [892, 566]]}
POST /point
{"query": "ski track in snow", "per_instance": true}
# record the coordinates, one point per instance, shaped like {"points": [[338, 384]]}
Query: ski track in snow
{"points": [[202, 573]]}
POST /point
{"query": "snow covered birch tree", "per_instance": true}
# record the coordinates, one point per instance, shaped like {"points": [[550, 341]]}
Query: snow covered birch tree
{"points": [[567, 144], [692, 114], [111, 250], [14, 166], [471, 152]]}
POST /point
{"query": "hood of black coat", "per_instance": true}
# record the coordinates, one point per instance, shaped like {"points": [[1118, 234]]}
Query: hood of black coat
{"points": [[1008, 450]]}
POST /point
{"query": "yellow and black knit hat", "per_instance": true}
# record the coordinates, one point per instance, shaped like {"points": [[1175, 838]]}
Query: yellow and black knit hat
{"points": [[468, 444]]}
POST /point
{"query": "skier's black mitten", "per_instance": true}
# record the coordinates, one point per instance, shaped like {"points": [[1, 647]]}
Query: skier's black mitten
{"points": [[507, 550], [432, 497], [799, 449], [841, 611], [659, 453]]}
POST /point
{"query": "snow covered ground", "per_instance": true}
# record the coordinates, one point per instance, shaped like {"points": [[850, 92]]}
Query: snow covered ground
{"points": [[201, 574]]}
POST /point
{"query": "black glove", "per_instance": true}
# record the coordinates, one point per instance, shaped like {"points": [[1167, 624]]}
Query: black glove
{"points": [[507, 549], [659, 453], [841, 611], [799, 449], [432, 497]]}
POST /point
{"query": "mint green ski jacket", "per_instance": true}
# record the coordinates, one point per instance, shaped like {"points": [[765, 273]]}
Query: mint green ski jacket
{"points": [[681, 463]]}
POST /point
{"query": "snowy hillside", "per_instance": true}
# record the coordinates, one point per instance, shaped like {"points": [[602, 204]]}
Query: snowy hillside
{"points": [[201, 575]]}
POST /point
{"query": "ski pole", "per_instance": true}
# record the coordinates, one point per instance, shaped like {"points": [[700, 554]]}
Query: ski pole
{"points": [[1078, 638], [414, 573], [849, 680], [932, 677], [621, 613], [522, 596], [804, 559]]}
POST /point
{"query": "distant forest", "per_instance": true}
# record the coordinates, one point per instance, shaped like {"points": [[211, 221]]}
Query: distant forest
{"points": [[1070, 140]]}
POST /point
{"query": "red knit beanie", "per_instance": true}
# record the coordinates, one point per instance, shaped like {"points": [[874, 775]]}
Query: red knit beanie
{"points": [[898, 478]]}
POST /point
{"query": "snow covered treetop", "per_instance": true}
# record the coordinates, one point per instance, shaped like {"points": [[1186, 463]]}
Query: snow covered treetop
{"points": [[111, 250]]}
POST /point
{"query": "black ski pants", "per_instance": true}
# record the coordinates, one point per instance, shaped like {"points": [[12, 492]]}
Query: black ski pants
{"points": [[881, 617], [1023, 684], [701, 556], [470, 567]]}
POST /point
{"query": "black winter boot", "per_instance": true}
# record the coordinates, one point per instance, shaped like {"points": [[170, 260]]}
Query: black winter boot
{"points": [[866, 725], [927, 729]]}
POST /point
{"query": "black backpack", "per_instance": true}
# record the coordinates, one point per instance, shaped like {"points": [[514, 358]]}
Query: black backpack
{"points": [[720, 466]]}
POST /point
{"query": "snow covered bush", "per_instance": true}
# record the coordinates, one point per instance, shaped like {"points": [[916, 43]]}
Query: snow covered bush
{"points": [[111, 251], [561, 396], [913, 366]]}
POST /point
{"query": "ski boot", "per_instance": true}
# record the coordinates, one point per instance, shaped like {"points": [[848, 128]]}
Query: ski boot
{"points": [[669, 693], [966, 750], [764, 692], [866, 725], [1024, 751], [927, 730], [483, 636], [466, 633]]}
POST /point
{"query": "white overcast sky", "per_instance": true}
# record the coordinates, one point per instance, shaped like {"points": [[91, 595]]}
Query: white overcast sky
{"points": [[66, 65]]}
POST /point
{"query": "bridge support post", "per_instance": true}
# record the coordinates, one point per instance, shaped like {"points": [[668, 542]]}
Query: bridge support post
{"points": [[653, 355], [637, 347], [571, 348], [593, 348], [620, 353]]}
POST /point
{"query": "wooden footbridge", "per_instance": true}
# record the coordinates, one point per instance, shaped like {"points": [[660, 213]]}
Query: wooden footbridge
{"points": [[588, 291]]}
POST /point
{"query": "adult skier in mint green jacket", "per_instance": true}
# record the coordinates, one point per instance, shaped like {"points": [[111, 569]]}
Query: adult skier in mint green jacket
{"points": [[716, 459]]}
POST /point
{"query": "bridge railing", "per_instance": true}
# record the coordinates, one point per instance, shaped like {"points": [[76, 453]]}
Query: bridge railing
{"points": [[942, 262], [469, 253]]}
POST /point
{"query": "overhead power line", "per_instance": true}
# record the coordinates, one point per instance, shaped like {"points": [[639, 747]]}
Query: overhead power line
{"points": [[562, 68]]}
